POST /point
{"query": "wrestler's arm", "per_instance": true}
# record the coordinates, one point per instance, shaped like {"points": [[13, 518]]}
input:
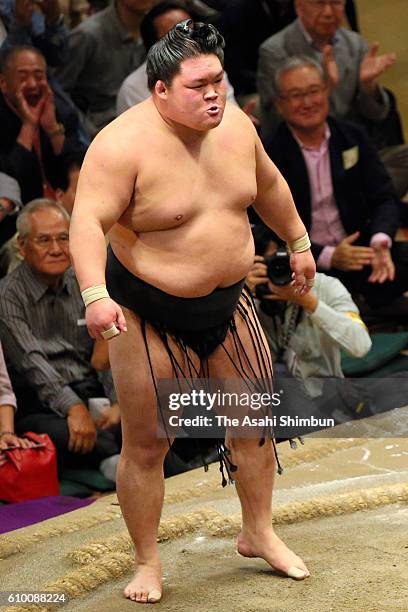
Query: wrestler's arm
{"points": [[275, 206], [105, 188], [274, 202]]}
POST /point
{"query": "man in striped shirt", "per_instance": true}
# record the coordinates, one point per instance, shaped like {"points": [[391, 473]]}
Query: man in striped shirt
{"points": [[46, 344]]}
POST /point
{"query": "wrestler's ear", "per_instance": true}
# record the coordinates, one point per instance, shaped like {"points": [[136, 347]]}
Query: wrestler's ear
{"points": [[161, 90]]}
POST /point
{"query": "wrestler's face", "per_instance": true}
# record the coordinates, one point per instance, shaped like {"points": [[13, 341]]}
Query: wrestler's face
{"points": [[196, 96], [303, 99], [321, 18], [46, 248]]}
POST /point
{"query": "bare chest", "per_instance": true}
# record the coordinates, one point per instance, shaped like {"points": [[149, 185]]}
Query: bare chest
{"points": [[175, 186]]}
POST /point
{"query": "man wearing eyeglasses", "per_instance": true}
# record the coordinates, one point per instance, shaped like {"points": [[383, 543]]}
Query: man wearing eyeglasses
{"points": [[341, 189], [46, 344], [353, 68]]}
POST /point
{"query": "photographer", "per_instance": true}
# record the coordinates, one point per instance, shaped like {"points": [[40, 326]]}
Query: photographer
{"points": [[305, 332]]}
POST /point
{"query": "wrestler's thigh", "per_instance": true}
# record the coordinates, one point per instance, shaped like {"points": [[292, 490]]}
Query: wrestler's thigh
{"points": [[246, 350], [133, 378]]}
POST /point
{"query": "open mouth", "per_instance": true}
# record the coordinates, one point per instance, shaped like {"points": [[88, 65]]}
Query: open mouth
{"points": [[33, 99], [213, 110]]}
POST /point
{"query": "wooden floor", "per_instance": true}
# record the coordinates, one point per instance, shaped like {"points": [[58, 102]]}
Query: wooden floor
{"points": [[386, 21]]}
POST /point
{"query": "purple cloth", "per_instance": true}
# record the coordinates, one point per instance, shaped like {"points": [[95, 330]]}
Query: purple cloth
{"points": [[15, 516]]}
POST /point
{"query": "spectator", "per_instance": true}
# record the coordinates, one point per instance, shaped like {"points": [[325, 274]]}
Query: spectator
{"points": [[43, 28], [8, 406], [34, 133], [75, 11], [306, 333], [46, 344], [245, 25], [10, 204], [104, 49], [155, 25], [66, 189], [353, 68], [341, 189]]}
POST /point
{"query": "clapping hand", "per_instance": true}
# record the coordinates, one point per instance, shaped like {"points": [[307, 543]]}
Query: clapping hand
{"points": [[382, 264], [330, 64], [348, 257], [373, 65]]}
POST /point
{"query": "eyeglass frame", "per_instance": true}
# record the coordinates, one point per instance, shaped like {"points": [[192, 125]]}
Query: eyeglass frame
{"points": [[297, 97], [62, 240]]}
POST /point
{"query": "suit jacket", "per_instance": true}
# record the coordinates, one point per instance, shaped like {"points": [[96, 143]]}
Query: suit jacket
{"points": [[347, 100], [363, 190]]}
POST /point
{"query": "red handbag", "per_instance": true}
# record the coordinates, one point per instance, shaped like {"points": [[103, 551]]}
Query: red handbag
{"points": [[30, 473]]}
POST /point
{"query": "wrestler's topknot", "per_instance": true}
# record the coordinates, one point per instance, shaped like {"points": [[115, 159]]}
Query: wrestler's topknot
{"points": [[187, 39]]}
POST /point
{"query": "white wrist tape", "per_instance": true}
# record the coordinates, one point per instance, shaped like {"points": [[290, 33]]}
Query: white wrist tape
{"points": [[92, 294], [300, 244]]}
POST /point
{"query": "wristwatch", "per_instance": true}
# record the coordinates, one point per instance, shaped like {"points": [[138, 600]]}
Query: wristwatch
{"points": [[59, 130]]}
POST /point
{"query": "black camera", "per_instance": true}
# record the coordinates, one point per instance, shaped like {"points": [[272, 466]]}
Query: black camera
{"points": [[278, 270]]}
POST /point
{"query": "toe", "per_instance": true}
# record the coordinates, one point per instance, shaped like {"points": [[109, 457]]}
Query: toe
{"points": [[297, 573], [154, 596]]}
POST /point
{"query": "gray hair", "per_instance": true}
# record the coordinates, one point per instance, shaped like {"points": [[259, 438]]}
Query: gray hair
{"points": [[293, 62], [23, 220]]}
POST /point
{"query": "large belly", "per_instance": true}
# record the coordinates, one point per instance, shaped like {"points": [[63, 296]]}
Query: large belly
{"points": [[212, 249]]}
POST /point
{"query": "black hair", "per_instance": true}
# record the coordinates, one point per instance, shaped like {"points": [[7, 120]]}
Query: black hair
{"points": [[148, 30], [186, 40], [263, 235], [68, 162], [8, 55]]}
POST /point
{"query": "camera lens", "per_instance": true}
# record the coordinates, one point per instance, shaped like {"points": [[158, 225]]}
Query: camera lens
{"points": [[279, 270]]}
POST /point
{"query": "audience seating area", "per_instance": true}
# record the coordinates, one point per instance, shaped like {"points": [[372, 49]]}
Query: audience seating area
{"points": [[85, 99]]}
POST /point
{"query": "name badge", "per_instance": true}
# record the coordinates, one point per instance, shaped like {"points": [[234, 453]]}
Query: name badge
{"points": [[81, 322], [350, 157]]}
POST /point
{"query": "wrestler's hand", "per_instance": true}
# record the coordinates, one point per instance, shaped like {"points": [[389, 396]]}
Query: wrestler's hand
{"points": [[102, 315], [303, 271], [82, 429], [288, 293]]}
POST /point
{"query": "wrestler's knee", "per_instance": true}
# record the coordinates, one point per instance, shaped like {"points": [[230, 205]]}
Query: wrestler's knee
{"points": [[146, 454]]}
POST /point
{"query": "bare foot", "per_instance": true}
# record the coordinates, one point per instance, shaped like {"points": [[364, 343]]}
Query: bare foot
{"points": [[271, 548], [146, 586]]}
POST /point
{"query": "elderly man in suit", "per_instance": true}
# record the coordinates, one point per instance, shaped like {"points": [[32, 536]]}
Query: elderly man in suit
{"points": [[353, 68], [341, 188]]}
